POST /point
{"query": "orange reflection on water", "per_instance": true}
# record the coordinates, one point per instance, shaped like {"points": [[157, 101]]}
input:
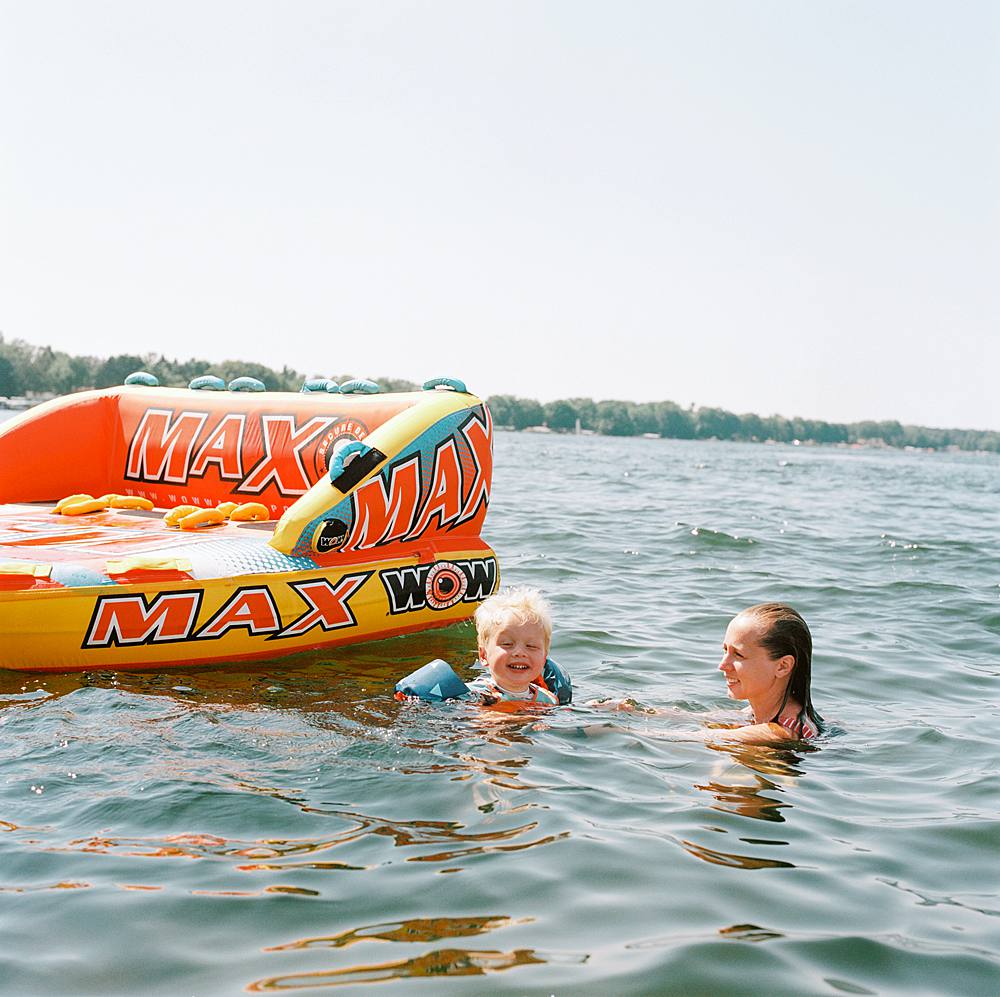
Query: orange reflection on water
{"points": [[318, 866], [200, 840], [733, 861], [761, 769], [443, 962], [749, 933], [421, 929], [272, 854], [766, 768], [65, 885], [767, 759], [485, 850], [225, 893], [746, 801]]}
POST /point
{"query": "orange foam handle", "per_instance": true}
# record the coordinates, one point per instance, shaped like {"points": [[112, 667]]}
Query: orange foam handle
{"points": [[175, 515], [250, 512], [84, 506], [202, 517], [69, 499], [130, 502]]}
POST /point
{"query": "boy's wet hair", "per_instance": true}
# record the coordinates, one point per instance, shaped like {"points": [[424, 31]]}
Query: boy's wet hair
{"points": [[519, 604]]}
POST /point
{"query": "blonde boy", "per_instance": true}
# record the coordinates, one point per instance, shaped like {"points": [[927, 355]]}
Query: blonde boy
{"points": [[514, 629]]}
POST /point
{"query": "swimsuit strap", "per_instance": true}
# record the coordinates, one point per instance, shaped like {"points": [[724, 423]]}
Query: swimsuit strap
{"points": [[801, 728]]}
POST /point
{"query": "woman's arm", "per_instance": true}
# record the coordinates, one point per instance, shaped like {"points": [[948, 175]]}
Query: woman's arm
{"points": [[771, 733], [631, 706]]}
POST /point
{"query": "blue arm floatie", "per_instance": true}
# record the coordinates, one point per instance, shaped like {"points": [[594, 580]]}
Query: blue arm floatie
{"points": [[436, 681], [558, 681]]}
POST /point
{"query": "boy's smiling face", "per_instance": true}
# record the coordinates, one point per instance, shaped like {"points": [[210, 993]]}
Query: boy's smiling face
{"points": [[515, 655]]}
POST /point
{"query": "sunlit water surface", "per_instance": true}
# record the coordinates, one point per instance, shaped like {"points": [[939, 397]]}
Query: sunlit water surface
{"points": [[293, 829]]}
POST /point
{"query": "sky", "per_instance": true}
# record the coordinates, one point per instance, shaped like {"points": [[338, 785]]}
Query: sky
{"points": [[768, 206]]}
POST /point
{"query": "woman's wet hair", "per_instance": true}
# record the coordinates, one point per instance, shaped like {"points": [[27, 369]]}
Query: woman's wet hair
{"points": [[783, 631]]}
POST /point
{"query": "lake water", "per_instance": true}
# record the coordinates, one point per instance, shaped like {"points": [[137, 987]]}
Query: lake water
{"points": [[293, 829]]}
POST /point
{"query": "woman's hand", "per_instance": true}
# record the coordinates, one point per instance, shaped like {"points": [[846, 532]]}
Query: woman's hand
{"points": [[618, 705]]}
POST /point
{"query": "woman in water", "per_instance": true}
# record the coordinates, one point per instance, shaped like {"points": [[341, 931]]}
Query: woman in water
{"points": [[767, 660]]}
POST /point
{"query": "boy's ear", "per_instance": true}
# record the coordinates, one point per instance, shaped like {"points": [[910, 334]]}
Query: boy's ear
{"points": [[482, 653]]}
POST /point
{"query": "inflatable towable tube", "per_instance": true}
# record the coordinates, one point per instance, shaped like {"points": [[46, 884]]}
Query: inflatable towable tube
{"points": [[436, 682], [367, 521]]}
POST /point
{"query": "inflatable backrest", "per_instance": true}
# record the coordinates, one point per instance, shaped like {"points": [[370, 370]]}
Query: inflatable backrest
{"points": [[421, 476], [342, 473], [177, 446]]}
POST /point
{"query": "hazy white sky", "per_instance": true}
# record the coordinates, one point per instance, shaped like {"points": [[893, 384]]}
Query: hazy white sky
{"points": [[784, 207]]}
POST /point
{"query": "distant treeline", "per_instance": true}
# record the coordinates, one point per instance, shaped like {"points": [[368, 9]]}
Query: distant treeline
{"points": [[40, 370], [613, 418]]}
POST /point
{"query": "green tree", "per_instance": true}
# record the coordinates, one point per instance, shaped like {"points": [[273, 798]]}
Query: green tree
{"points": [[644, 417], [115, 369], [586, 411], [831, 432], [527, 412], [717, 422], [560, 415], [21, 357], [777, 427], [613, 419], [9, 382], [385, 383], [751, 427], [502, 409], [675, 422]]}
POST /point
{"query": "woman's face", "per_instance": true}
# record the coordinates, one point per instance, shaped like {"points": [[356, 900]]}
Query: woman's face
{"points": [[749, 670]]}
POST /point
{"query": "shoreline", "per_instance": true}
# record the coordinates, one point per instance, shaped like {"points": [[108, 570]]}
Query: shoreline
{"points": [[871, 445]]}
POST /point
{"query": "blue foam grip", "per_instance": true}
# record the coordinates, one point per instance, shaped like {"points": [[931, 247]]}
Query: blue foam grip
{"points": [[558, 681], [445, 382], [434, 682], [246, 384], [354, 448], [360, 386], [144, 378], [207, 382]]}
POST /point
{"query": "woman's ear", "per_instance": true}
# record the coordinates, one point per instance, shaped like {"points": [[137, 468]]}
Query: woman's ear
{"points": [[785, 665]]}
